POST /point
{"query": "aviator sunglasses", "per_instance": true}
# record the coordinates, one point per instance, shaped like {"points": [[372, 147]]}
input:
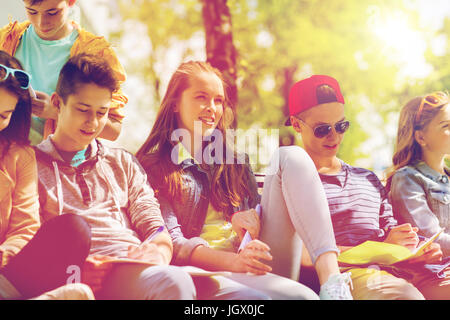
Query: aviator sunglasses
{"points": [[322, 130], [433, 100], [21, 76]]}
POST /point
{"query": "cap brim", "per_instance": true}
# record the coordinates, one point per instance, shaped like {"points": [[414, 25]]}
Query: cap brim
{"points": [[288, 122]]}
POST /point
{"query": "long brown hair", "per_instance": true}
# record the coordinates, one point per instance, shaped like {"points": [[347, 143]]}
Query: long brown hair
{"points": [[228, 183], [18, 129], [407, 149]]}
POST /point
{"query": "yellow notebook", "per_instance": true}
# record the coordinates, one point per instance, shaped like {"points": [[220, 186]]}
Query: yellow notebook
{"points": [[374, 252]]}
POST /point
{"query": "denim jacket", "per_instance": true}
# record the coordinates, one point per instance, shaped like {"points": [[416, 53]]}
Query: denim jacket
{"points": [[185, 219], [421, 196]]}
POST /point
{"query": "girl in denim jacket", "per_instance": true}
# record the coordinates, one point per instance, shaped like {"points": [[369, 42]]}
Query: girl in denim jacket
{"points": [[419, 178], [419, 183]]}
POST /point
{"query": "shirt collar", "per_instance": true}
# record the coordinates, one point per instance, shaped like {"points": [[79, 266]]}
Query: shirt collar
{"points": [[48, 147], [185, 159], [340, 178], [431, 173]]}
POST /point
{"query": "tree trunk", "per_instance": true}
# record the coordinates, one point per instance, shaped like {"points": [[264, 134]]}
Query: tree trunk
{"points": [[288, 77], [220, 51], [288, 81]]}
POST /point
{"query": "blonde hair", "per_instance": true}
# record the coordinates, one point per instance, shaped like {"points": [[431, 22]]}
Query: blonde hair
{"points": [[407, 149], [228, 185]]}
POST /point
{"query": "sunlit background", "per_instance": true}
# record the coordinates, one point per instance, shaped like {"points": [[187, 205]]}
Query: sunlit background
{"points": [[383, 53]]}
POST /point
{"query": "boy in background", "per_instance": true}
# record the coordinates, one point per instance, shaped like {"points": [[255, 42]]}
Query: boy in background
{"points": [[43, 44]]}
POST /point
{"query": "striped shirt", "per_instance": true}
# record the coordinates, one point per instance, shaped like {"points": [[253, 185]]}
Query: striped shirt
{"points": [[359, 206]]}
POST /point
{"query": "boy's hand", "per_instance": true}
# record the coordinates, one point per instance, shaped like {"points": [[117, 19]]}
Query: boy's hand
{"points": [[42, 106], [432, 254], [247, 220], [148, 252], [95, 271], [403, 235]]}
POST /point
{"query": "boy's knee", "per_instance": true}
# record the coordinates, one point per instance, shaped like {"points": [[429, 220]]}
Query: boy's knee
{"points": [[77, 227], [295, 158], [387, 287], [69, 223], [248, 294], [71, 230], [72, 291], [410, 292], [400, 289], [285, 158], [170, 283]]}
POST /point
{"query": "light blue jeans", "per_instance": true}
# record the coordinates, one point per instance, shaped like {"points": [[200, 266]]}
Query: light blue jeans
{"points": [[140, 282], [243, 286], [294, 210]]}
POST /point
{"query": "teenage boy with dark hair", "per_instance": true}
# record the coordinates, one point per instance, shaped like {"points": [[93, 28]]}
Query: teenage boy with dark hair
{"points": [[43, 43], [108, 187]]}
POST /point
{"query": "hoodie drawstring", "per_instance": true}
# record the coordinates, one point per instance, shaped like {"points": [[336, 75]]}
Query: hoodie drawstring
{"points": [[113, 193], [59, 191], [60, 196]]}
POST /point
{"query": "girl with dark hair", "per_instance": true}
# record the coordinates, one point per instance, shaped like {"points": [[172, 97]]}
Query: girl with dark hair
{"points": [[29, 263], [18, 165], [16, 103]]}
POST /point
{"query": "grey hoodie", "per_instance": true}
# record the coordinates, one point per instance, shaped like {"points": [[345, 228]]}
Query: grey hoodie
{"points": [[110, 190]]}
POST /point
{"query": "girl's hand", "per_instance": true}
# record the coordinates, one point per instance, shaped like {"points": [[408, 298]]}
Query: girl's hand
{"points": [[247, 220], [148, 252], [248, 260], [403, 235]]}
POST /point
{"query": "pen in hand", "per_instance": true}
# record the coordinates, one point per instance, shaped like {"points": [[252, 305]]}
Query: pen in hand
{"points": [[247, 237], [148, 253], [153, 235]]}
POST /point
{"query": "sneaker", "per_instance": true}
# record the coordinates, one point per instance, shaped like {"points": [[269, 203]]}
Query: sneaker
{"points": [[337, 287]]}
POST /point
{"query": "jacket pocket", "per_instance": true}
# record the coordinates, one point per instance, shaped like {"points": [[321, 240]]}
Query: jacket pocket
{"points": [[440, 205]]}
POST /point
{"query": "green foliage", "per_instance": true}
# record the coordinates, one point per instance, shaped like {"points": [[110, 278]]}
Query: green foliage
{"points": [[282, 41]]}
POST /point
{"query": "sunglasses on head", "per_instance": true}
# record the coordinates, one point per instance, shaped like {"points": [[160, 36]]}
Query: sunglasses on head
{"points": [[432, 100], [322, 130], [21, 76]]}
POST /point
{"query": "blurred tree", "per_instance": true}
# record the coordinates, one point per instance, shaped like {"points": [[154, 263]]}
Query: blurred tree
{"points": [[274, 43], [169, 23], [220, 50]]}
